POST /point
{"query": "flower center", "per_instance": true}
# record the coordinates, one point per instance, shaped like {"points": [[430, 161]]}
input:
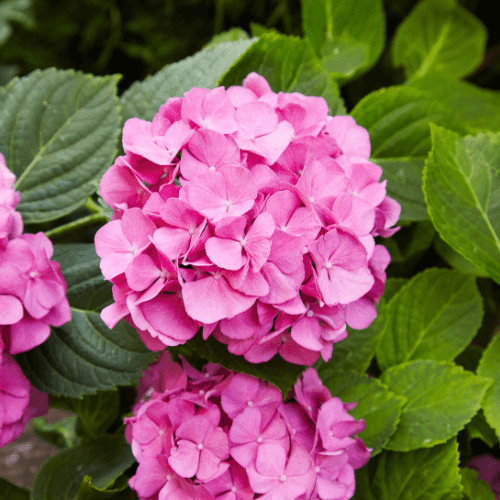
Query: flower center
{"points": [[259, 439], [250, 403], [328, 265], [133, 249], [283, 478], [233, 489], [200, 446], [191, 230], [243, 242], [228, 203], [201, 392], [317, 469], [309, 314], [169, 477], [312, 199], [34, 274], [211, 167]]}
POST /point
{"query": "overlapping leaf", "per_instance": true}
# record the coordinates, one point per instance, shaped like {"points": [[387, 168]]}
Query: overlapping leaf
{"points": [[203, 69], [289, 65], [435, 316], [462, 190], [473, 487], [441, 399], [58, 133], [104, 460], [439, 35], [84, 356], [490, 367], [398, 119]]}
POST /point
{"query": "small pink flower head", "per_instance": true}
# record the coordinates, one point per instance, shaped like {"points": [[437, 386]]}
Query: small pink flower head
{"points": [[11, 223], [19, 400]]}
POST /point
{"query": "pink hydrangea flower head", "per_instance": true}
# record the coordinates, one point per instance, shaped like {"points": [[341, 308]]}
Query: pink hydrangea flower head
{"points": [[250, 215]]}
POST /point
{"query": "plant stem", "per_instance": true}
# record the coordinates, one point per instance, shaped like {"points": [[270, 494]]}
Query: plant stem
{"points": [[77, 225]]}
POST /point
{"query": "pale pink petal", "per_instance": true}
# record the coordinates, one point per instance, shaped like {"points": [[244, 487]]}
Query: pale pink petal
{"points": [[11, 310]]}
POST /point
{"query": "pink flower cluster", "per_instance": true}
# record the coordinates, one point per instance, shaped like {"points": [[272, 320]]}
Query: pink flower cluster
{"points": [[32, 297], [223, 435], [32, 288], [250, 213]]}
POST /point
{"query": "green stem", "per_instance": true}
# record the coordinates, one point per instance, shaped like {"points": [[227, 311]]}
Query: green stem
{"points": [[77, 225]]}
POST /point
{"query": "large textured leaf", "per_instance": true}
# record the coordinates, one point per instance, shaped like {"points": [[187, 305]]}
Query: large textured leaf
{"points": [[104, 459], [61, 434], [489, 366], [435, 316], [58, 133], [379, 407], [203, 69], [439, 35], [454, 259], [289, 65], [398, 119], [441, 399], [462, 190], [427, 474], [277, 371], [404, 184], [9, 491], [478, 107], [348, 36], [473, 487], [84, 356], [87, 289]]}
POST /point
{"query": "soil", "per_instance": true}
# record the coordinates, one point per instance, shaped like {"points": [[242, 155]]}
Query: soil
{"points": [[21, 460]]}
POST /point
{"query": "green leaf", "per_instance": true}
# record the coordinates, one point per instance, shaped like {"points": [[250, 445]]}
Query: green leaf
{"points": [[104, 459], [489, 366], [86, 288], [9, 491], [84, 356], [348, 36], [478, 107], [442, 398], [96, 412], [474, 488], [61, 434], [426, 474], [203, 69], [439, 35], [404, 184], [257, 29], [289, 65], [454, 259], [357, 350], [462, 189], [232, 35], [88, 491], [58, 133], [478, 428], [14, 10], [379, 407], [398, 119], [435, 316], [277, 371]]}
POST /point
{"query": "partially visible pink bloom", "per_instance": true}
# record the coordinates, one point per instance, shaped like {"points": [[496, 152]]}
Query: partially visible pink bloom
{"points": [[489, 471]]}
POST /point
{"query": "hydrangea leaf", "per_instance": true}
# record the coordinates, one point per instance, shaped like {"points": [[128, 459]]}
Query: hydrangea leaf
{"points": [[478, 428], [61, 434], [84, 356], [404, 184], [9, 491], [435, 316], [441, 399], [398, 119], [58, 133], [348, 36], [104, 459], [203, 69], [232, 35], [478, 107], [439, 35], [425, 474], [277, 371], [357, 350], [86, 288], [489, 366], [88, 491], [469, 221], [379, 407], [474, 487], [454, 259], [289, 65]]}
